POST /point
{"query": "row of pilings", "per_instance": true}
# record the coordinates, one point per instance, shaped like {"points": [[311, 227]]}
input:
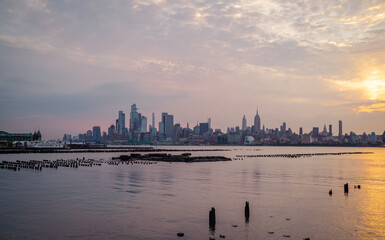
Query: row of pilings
{"points": [[212, 217], [299, 155], [67, 163], [40, 164], [212, 222]]}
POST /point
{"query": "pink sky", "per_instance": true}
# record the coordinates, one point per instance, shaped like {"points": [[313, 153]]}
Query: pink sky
{"points": [[67, 66]]}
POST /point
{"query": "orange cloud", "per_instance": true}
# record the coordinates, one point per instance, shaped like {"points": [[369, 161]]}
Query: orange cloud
{"points": [[376, 107]]}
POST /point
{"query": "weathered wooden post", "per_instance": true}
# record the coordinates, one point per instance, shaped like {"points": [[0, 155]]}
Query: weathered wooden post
{"points": [[346, 188], [247, 211], [212, 218]]}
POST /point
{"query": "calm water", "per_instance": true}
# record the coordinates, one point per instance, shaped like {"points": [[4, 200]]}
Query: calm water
{"points": [[157, 201]]}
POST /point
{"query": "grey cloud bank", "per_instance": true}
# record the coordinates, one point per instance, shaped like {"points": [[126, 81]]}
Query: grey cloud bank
{"points": [[73, 62]]}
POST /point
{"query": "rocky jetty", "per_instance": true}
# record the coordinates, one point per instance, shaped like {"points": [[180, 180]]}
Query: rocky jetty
{"points": [[164, 157]]}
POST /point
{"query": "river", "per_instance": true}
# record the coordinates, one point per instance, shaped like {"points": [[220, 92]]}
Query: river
{"points": [[287, 196]]}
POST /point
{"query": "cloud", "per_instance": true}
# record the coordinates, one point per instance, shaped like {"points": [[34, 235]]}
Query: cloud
{"points": [[66, 58], [376, 107]]}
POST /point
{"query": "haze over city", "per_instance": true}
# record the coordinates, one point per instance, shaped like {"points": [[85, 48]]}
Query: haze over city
{"points": [[67, 66]]}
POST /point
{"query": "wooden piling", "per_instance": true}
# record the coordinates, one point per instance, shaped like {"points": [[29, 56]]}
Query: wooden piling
{"points": [[212, 218], [346, 188], [247, 211]]}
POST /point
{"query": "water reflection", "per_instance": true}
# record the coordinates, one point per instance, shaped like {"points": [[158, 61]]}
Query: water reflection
{"points": [[157, 201], [372, 205]]}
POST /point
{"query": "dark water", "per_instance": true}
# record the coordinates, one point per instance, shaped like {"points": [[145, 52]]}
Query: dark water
{"points": [[157, 201]]}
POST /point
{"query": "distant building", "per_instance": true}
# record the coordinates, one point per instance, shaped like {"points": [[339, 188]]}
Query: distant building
{"points": [[96, 134], [111, 132], [330, 130], [67, 138], [11, 137], [257, 123], [177, 132], [153, 130], [294, 139], [143, 124], [203, 128], [169, 126], [283, 129], [324, 131], [161, 128], [134, 119], [244, 123], [315, 131], [373, 138], [121, 123], [196, 130], [339, 128], [300, 131], [89, 134], [248, 140], [364, 139]]}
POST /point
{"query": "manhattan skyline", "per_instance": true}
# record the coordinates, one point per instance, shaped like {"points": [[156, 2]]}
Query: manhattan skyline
{"points": [[67, 66]]}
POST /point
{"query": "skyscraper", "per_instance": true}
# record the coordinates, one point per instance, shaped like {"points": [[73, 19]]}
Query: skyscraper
{"points": [[121, 123], [163, 120], [203, 128], [339, 128], [143, 124], [209, 122], [315, 131], [134, 119], [257, 123], [169, 126], [96, 135], [176, 133], [161, 127], [111, 131], [153, 130], [283, 129], [330, 130], [244, 123]]}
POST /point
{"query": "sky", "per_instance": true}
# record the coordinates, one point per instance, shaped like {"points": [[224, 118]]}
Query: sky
{"points": [[66, 66]]}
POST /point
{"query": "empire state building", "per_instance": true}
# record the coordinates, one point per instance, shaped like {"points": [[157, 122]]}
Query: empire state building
{"points": [[257, 123]]}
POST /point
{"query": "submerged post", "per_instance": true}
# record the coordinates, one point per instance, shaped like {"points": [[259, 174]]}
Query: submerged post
{"points": [[212, 218], [247, 211], [346, 188]]}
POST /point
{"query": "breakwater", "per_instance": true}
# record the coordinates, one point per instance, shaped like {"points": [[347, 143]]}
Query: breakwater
{"points": [[103, 150], [146, 159], [299, 155], [164, 157], [40, 164]]}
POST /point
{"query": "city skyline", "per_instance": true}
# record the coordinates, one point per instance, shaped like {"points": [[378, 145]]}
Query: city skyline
{"points": [[166, 126], [202, 133], [68, 66], [120, 125]]}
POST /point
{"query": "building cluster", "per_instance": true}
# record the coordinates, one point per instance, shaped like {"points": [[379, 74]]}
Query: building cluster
{"points": [[16, 139], [137, 131], [12, 137]]}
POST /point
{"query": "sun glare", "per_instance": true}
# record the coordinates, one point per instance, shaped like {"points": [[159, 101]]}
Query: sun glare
{"points": [[375, 85]]}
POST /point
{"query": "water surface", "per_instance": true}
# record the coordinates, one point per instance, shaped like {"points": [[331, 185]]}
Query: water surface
{"points": [[288, 196]]}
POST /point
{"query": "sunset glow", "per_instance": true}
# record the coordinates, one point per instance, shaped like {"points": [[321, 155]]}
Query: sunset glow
{"points": [[70, 60]]}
